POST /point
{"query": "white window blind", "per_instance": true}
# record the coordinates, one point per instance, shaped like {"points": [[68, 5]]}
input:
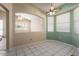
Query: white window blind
{"points": [[51, 24], [1, 27], [63, 23], [22, 26], [76, 20], [36, 25]]}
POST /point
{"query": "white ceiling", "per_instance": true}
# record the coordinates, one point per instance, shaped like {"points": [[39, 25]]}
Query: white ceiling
{"points": [[45, 6], [1, 9]]}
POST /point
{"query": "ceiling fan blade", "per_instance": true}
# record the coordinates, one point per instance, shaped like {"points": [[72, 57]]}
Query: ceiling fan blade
{"points": [[56, 10]]}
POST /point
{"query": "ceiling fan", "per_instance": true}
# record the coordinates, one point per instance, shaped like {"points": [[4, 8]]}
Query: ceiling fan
{"points": [[52, 10]]}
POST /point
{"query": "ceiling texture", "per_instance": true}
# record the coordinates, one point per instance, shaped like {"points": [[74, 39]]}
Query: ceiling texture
{"points": [[1, 9], [46, 6]]}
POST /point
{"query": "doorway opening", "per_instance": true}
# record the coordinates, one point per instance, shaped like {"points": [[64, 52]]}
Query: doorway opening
{"points": [[4, 28]]}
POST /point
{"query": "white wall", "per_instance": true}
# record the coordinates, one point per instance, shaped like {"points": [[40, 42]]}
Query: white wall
{"points": [[24, 8], [9, 7], [23, 38], [36, 30]]}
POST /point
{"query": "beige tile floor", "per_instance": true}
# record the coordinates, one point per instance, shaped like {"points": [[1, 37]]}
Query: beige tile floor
{"points": [[41, 48]]}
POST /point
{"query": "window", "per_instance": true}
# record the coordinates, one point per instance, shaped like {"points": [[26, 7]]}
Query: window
{"points": [[22, 25], [1, 27], [50, 24], [76, 20], [36, 24], [63, 23]]}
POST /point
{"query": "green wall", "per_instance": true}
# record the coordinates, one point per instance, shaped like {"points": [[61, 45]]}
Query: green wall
{"points": [[76, 40], [67, 37], [64, 37]]}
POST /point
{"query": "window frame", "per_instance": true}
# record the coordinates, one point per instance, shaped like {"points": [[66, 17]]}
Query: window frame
{"points": [[75, 21], [64, 22], [52, 25], [24, 29]]}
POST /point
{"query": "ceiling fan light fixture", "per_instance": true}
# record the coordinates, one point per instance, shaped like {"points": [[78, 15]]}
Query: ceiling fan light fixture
{"points": [[50, 13], [52, 8], [54, 13], [20, 17]]}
